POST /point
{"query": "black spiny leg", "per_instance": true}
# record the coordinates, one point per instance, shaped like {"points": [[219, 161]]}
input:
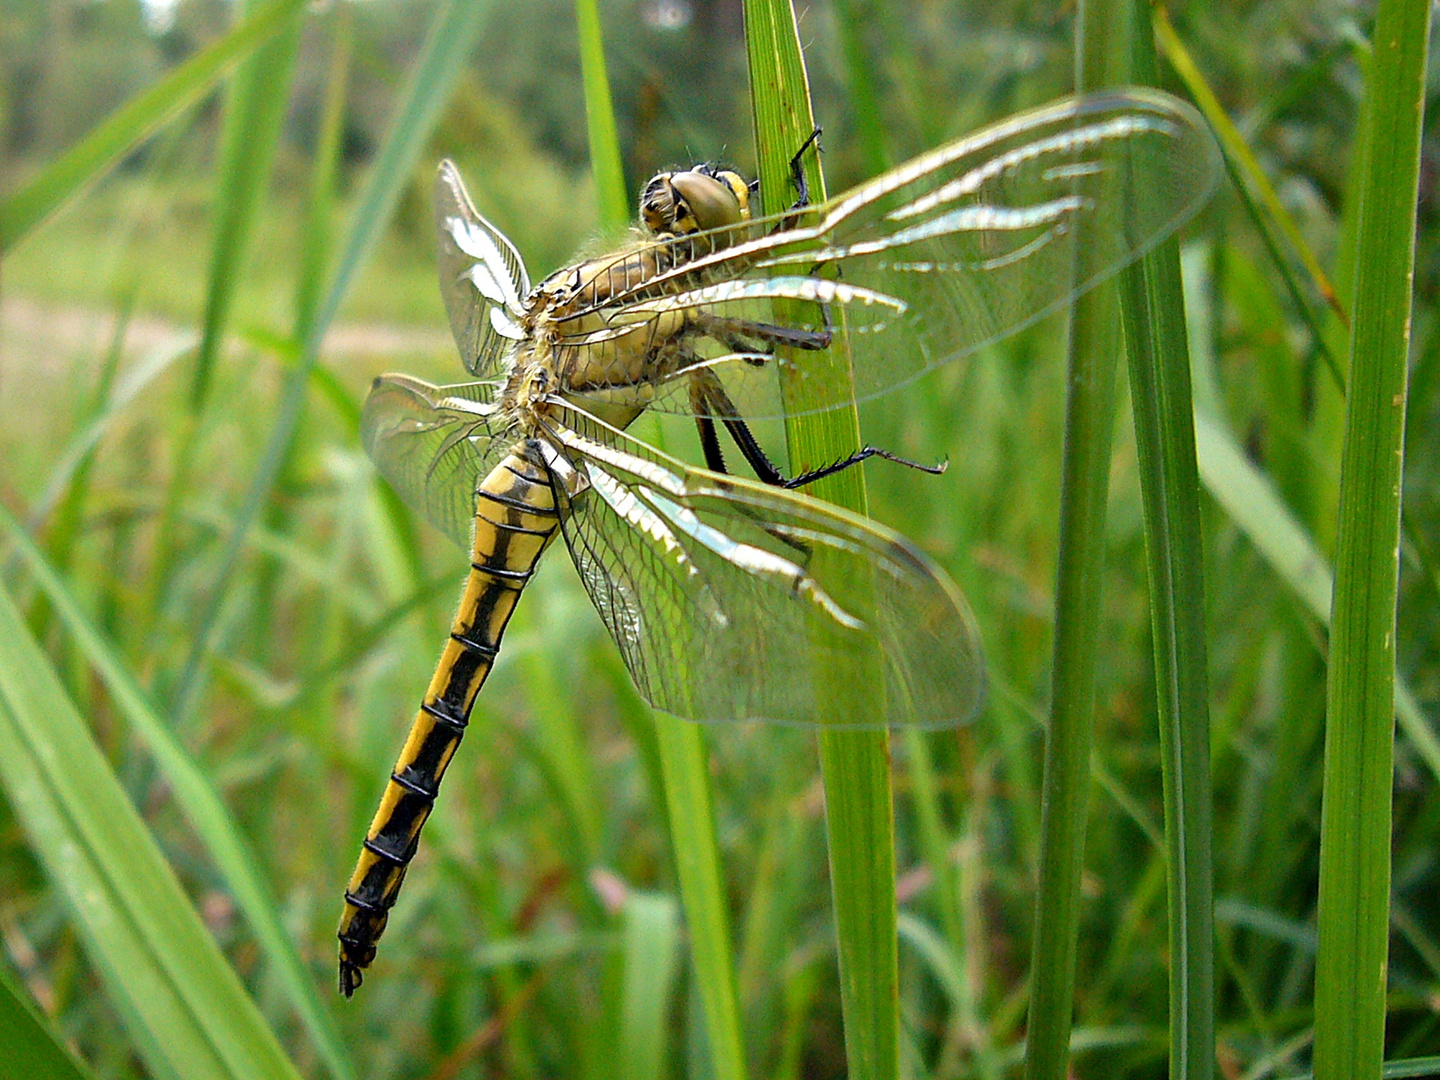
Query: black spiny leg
{"points": [[709, 401], [797, 178], [797, 171], [710, 444], [855, 459]]}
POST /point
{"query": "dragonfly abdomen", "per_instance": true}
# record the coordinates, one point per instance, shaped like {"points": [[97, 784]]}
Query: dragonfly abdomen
{"points": [[515, 520]]}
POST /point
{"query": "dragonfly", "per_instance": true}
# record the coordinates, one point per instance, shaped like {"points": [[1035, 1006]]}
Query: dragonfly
{"points": [[732, 598]]}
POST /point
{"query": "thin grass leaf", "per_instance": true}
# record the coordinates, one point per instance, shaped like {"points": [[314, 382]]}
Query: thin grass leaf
{"points": [[181, 1002], [452, 35], [691, 813], [1259, 196], [324, 167], [129, 386], [611, 194], [939, 959], [135, 121], [255, 106], [1394, 1070], [202, 806], [1239, 154], [1153, 310], [1355, 828], [33, 1049], [855, 765], [1094, 345], [650, 953], [65, 529], [1252, 502]]}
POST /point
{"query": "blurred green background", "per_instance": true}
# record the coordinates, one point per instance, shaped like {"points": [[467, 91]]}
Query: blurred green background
{"points": [[507, 954]]}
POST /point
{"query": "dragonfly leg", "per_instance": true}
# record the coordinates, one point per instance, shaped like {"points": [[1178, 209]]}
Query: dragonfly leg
{"points": [[733, 334], [858, 456], [797, 177], [710, 402], [710, 444]]}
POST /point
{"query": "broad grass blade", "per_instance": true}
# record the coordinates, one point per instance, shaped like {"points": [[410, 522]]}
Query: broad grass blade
{"points": [[181, 1002]]}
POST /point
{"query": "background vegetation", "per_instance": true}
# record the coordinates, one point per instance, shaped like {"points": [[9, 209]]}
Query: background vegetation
{"points": [[257, 688]]}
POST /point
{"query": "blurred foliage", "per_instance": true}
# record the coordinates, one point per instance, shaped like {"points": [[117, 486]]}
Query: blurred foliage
{"points": [[503, 958]]}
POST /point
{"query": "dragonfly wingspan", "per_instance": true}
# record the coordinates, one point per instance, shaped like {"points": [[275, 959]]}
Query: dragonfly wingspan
{"points": [[434, 444], [730, 600], [954, 250], [482, 278]]}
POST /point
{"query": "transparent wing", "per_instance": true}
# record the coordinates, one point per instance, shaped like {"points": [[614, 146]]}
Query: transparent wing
{"points": [[732, 600], [482, 278], [434, 444], [936, 258]]}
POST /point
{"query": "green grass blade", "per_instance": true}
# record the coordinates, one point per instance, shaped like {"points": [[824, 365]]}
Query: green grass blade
{"points": [[138, 118], [854, 765], [1153, 312], [181, 1002], [1355, 836], [691, 808], [442, 59], [1084, 490], [1259, 196], [32, 1048], [650, 954], [202, 806], [131, 385], [320, 199], [254, 108], [605, 166], [1255, 506]]}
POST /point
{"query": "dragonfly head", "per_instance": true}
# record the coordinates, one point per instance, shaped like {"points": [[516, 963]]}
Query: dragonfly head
{"points": [[698, 199]]}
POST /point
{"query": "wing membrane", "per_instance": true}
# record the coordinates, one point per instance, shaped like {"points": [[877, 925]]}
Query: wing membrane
{"points": [[482, 278], [952, 251], [732, 600], [434, 444]]}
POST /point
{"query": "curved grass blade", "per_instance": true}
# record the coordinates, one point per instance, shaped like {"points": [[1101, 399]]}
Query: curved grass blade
{"points": [[32, 1047], [254, 109], [452, 34], [134, 121], [1249, 177], [202, 806], [127, 388], [181, 1002]]}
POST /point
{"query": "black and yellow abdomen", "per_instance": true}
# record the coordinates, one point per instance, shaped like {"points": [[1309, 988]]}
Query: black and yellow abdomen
{"points": [[515, 520]]}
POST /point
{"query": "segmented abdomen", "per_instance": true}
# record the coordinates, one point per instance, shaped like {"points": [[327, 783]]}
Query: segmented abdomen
{"points": [[515, 520]]}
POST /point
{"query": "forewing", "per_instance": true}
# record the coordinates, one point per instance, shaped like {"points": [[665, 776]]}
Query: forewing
{"points": [[482, 277], [434, 444], [947, 253], [732, 600]]}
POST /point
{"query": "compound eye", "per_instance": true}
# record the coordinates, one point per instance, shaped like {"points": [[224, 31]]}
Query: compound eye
{"points": [[658, 202], [712, 203]]}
